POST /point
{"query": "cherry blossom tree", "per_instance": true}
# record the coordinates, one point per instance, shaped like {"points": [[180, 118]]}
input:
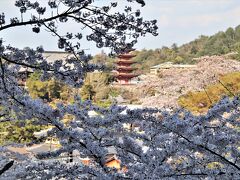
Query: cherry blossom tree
{"points": [[157, 145]]}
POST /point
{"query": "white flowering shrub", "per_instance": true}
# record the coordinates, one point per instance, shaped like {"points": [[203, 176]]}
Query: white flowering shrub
{"points": [[157, 145]]}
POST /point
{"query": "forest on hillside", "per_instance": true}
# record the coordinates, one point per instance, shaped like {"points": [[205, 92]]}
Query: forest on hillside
{"points": [[220, 43], [217, 44]]}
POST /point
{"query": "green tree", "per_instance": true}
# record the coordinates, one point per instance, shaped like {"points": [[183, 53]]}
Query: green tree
{"points": [[37, 88], [48, 90], [237, 32], [87, 92], [54, 89], [230, 34], [174, 47], [178, 60], [18, 132]]}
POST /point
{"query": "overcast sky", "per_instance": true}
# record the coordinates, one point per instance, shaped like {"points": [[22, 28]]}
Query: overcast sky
{"points": [[180, 21]]}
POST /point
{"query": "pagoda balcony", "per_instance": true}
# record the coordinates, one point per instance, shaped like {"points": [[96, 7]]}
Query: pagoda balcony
{"points": [[125, 68], [125, 75], [123, 62]]}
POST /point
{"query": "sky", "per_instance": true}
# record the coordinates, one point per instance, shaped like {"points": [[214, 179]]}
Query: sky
{"points": [[179, 21]]}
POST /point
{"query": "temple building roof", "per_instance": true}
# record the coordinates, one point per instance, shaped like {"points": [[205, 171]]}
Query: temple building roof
{"points": [[168, 65]]}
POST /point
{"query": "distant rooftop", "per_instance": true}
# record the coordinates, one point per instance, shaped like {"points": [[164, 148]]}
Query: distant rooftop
{"points": [[52, 56], [168, 65]]}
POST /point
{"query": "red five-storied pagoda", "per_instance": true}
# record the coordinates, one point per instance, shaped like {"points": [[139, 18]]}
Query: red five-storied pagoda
{"points": [[124, 69]]}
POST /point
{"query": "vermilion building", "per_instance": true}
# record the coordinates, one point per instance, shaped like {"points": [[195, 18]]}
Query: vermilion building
{"points": [[124, 70]]}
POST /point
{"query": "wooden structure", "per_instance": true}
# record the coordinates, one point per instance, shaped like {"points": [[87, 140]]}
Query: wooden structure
{"points": [[124, 70]]}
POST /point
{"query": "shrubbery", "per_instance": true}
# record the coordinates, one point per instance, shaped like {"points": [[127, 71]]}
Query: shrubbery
{"points": [[18, 132]]}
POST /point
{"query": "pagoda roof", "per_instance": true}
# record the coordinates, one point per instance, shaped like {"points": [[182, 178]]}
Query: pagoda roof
{"points": [[125, 68], [130, 50], [127, 56], [125, 61]]}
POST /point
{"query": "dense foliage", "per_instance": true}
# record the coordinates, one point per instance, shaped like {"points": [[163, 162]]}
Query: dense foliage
{"points": [[18, 132], [48, 90], [200, 102], [96, 86], [158, 145], [54, 92]]}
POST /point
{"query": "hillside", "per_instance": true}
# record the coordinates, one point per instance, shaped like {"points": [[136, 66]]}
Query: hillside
{"points": [[218, 44], [165, 89]]}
